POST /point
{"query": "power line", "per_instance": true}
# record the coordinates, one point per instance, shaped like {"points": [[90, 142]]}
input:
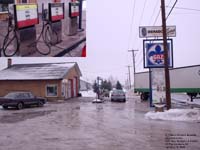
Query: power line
{"points": [[159, 14], [154, 11], [156, 18], [185, 8], [172, 9], [141, 18], [142, 12], [132, 21]]}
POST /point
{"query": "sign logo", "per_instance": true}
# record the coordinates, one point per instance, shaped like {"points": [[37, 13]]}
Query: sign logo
{"points": [[144, 32], [155, 55]]}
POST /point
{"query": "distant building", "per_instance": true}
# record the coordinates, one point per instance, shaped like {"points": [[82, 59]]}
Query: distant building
{"points": [[54, 81], [84, 85]]}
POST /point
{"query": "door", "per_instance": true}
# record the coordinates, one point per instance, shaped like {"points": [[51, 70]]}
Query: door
{"points": [[69, 89]]}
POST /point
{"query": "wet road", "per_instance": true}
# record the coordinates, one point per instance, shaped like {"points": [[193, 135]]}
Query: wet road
{"points": [[78, 124]]}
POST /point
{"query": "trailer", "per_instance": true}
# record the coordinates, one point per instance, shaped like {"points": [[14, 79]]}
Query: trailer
{"points": [[182, 80]]}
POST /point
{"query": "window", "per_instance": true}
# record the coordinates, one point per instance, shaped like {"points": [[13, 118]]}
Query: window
{"points": [[51, 90], [24, 1], [3, 7]]}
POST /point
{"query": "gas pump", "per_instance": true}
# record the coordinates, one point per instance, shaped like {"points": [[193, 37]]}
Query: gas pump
{"points": [[51, 32], [21, 30], [73, 15], [25, 18], [56, 14]]}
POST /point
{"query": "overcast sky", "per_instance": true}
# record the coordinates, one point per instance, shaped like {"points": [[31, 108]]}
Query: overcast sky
{"points": [[113, 28]]}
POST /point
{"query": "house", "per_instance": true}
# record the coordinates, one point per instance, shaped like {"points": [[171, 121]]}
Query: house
{"points": [[54, 81]]}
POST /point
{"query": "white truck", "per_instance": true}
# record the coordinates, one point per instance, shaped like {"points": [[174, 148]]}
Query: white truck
{"points": [[182, 80]]}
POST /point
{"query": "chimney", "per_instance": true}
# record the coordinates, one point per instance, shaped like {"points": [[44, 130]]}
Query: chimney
{"points": [[9, 62]]}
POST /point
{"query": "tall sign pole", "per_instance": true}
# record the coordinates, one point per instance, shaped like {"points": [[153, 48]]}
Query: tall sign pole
{"points": [[167, 77]]}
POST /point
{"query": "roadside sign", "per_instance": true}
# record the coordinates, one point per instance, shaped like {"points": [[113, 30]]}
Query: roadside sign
{"points": [[156, 31], [154, 53], [56, 11], [158, 86], [26, 15]]}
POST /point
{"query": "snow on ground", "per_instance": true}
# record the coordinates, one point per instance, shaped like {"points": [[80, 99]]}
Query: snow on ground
{"points": [[89, 93], [175, 115]]}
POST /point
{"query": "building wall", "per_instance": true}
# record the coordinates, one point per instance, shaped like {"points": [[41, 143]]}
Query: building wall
{"points": [[71, 76], [38, 88]]}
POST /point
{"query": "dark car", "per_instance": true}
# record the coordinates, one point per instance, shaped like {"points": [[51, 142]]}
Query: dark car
{"points": [[21, 100]]}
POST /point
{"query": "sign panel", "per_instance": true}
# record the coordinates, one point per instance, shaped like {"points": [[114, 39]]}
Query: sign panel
{"points": [[73, 9], [56, 11], [158, 86], [26, 15], [154, 54], [156, 31]]}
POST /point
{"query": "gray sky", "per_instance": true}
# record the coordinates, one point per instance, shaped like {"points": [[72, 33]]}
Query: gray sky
{"points": [[112, 29]]}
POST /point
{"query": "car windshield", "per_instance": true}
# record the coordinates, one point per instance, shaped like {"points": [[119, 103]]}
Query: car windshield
{"points": [[118, 92], [19, 95]]}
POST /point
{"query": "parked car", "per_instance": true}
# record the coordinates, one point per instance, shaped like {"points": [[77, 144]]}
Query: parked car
{"points": [[118, 95], [21, 100]]}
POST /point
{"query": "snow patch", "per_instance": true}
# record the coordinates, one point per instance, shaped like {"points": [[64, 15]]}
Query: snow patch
{"points": [[175, 115], [97, 101], [89, 93]]}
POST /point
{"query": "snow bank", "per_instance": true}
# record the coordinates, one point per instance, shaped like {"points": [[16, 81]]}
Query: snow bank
{"points": [[88, 93], [175, 115]]}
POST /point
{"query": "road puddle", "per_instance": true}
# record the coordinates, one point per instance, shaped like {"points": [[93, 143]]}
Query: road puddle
{"points": [[22, 116]]}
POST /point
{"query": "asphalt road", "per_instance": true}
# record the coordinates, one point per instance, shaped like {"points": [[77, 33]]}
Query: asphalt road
{"points": [[79, 124]]}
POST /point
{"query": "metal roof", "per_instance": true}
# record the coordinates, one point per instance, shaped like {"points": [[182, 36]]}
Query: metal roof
{"points": [[42, 71]]}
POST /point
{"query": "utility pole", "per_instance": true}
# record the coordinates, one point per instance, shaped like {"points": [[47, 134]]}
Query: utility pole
{"points": [[129, 75], [80, 15], [167, 77], [127, 81], [133, 55]]}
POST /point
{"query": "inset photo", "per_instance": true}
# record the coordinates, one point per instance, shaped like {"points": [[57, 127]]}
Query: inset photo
{"points": [[42, 28]]}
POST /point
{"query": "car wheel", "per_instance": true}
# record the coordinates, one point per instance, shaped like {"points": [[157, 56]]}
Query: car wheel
{"points": [[5, 107], [20, 105], [40, 104]]}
